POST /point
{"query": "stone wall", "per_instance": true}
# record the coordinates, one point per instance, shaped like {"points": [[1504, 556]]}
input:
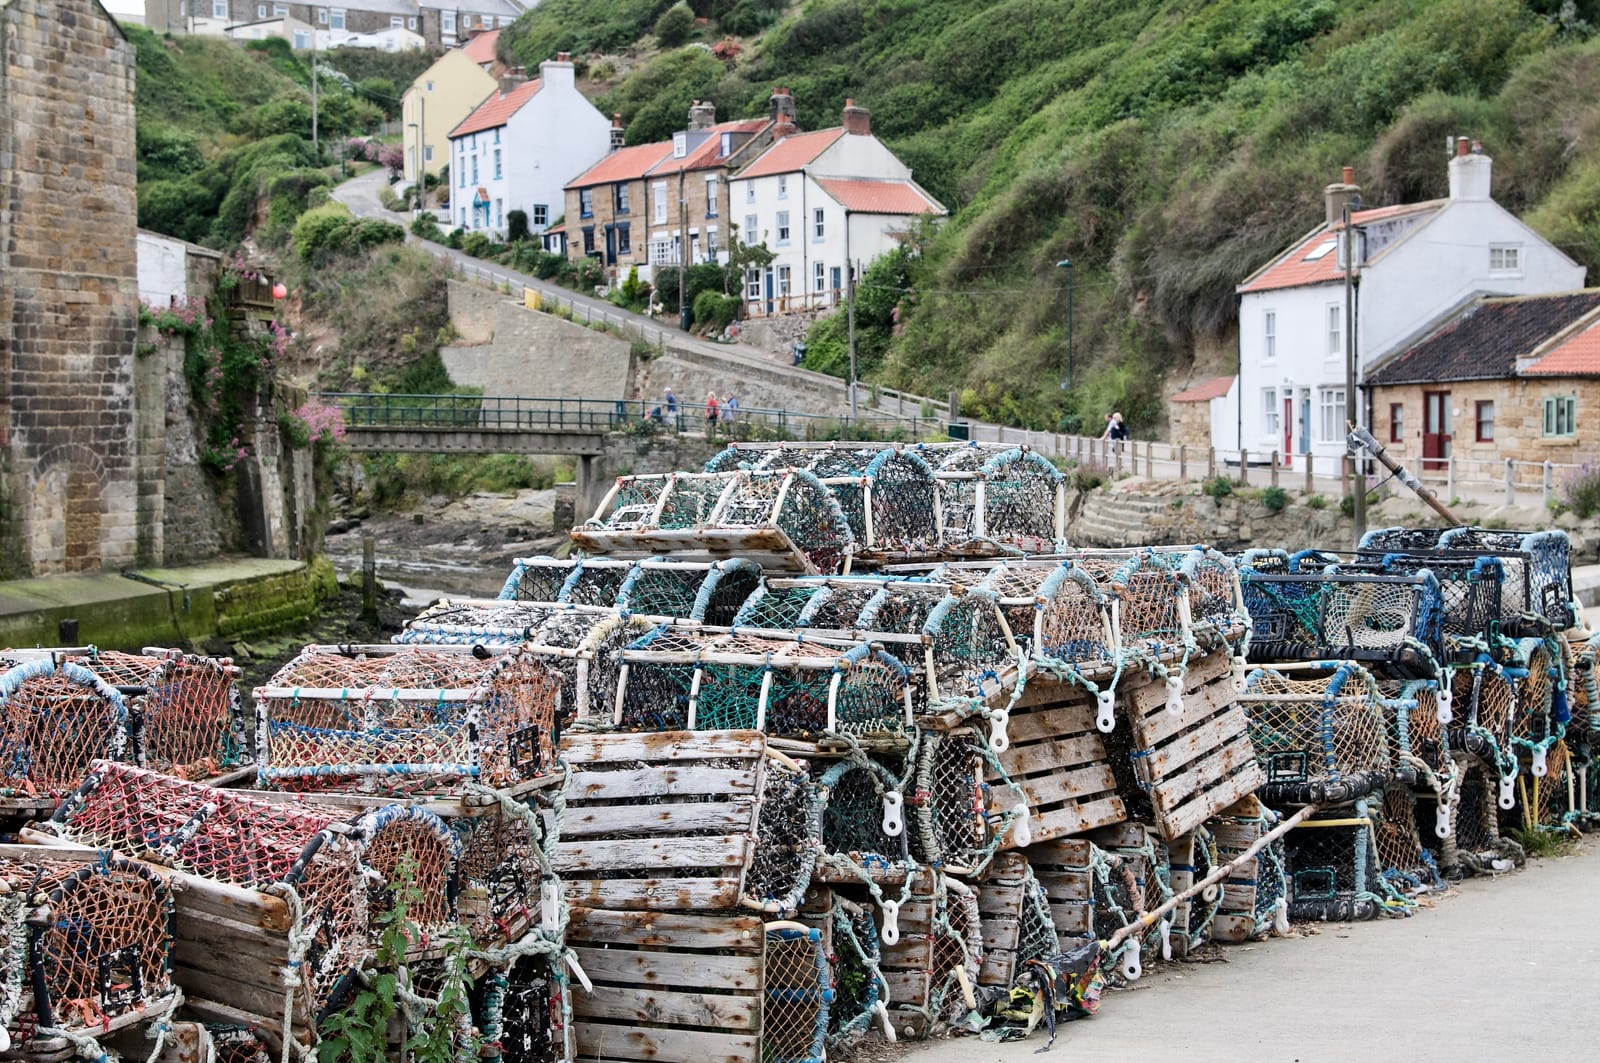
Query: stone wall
{"points": [[1518, 423], [532, 354], [67, 252], [780, 332], [1189, 424]]}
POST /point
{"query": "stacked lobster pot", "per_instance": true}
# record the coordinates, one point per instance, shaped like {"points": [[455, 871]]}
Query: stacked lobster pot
{"points": [[62, 708], [1505, 669]]}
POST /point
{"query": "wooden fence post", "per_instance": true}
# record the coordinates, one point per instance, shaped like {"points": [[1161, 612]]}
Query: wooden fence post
{"points": [[1274, 468], [1310, 488], [1183, 461], [1244, 468], [1511, 483]]}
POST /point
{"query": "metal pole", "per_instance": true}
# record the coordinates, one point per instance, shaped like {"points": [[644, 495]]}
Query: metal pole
{"points": [[850, 272], [316, 148], [1359, 474], [1066, 264]]}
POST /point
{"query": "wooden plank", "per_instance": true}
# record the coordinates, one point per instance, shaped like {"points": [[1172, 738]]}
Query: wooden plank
{"points": [[735, 931], [1230, 835], [1051, 722], [1075, 819], [650, 854], [627, 1044], [1063, 852], [1198, 707], [631, 894], [267, 1027], [581, 748], [655, 967], [999, 967], [1066, 885], [1202, 739], [1122, 836], [1239, 898], [1217, 782], [636, 783], [1072, 918], [1141, 693], [726, 1011], [999, 901], [1052, 754], [1042, 690], [724, 817], [1000, 932], [1064, 786]]}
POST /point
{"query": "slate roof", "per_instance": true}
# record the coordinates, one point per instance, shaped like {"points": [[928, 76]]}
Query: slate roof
{"points": [[1214, 388], [1485, 340], [497, 109], [1309, 262], [879, 197]]}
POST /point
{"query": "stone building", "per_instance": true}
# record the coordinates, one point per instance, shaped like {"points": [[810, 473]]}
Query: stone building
{"points": [[1513, 377], [69, 304]]}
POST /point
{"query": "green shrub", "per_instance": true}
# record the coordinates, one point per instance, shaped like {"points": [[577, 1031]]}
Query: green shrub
{"points": [[320, 229], [1219, 488], [547, 264], [427, 227], [1274, 499], [391, 201], [516, 226], [714, 311], [675, 24], [1316, 502]]}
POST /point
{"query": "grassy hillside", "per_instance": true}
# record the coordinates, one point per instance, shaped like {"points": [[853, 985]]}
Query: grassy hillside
{"points": [[1166, 147]]}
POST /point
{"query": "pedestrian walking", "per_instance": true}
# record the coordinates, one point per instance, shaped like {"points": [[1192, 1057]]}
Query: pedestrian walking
{"points": [[711, 410], [730, 407], [672, 404]]}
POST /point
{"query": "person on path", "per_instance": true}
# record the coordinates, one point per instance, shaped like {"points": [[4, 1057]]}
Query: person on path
{"points": [[730, 407], [711, 410], [672, 404]]}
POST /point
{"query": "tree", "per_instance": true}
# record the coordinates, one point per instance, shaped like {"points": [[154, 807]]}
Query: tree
{"points": [[675, 24], [516, 226]]}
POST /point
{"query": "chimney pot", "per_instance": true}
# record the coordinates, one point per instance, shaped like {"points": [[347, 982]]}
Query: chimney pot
{"points": [[563, 57], [1335, 197], [857, 120], [1477, 147], [1349, 175], [1471, 171], [1463, 145]]}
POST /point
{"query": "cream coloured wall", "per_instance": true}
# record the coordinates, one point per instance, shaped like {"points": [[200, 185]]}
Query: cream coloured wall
{"points": [[458, 85]]}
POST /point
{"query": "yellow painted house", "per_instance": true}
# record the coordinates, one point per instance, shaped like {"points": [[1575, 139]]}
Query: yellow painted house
{"points": [[441, 97]]}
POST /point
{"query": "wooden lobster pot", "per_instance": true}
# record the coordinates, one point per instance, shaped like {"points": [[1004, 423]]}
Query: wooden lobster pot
{"points": [[1063, 870]]}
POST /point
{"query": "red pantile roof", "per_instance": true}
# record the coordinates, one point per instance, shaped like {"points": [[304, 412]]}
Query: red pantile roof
{"points": [[1315, 260], [1486, 340], [497, 109], [1576, 355], [1214, 388], [707, 156], [481, 48], [624, 164], [792, 152], [879, 197]]}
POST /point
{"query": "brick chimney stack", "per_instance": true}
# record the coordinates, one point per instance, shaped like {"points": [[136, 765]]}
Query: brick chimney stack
{"points": [[1335, 196], [857, 120], [511, 79], [702, 115], [616, 132], [780, 107]]}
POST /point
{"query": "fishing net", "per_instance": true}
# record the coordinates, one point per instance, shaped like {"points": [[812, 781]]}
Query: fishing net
{"points": [[1477, 845], [859, 989], [861, 813], [55, 718], [1060, 607], [519, 1010], [957, 950], [1021, 499], [778, 604], [960, 520], [489, 622], [1318, 732], [1549, 578], [190, 721], [82, 943], [633, 502], [403, 718], [1334, 870], [794, 1020], [1215, 607], [1407, 863], [538, 579], [1470, 586], [1397, 538], [1380, 617], [714, 681], [336, 871], [502, 868], [1285, 614], [238, 1044], [948, 803], [788, 839]]}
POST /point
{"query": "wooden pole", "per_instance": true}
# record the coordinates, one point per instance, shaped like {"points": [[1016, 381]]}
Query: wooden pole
{"points": [[369, 579], [1360, 437]]}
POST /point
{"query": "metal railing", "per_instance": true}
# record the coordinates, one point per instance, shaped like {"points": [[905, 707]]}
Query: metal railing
{"points": [[478, 413]]}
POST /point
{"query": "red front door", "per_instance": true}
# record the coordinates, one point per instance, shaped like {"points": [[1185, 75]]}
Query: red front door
{"points": [[1435, 430], [1288, 429]]}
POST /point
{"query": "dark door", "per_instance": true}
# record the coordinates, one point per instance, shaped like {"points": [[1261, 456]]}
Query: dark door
{"points": [[611, 245], [1435, 430], [769, 291], [1288, 429]]}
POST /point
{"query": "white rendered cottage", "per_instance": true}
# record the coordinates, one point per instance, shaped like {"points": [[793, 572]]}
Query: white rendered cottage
{"points": [[519, 148], [818, 200], [1413, 263]]}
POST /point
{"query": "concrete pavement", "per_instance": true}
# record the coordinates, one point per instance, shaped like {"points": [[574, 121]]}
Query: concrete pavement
{"points": [[1497, 969]]}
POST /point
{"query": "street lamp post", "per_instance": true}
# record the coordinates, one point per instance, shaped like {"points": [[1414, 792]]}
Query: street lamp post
{"points": [[1066, 264]]}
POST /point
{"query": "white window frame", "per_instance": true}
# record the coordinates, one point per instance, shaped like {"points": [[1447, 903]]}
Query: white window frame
{"points": [[261, 11], [1269, 335], [280, 10], [711, 196], [658, 201], [322, 18], [819, 277], [397, 22], [680, 144], [336, 18], [782, 231], [447, 22], [411, 23], [427, 153], [751, 227], [585, 202], [1505, 259], [499, 213], [219, 8], [783, 186], [749, 191], [752, 284], [498, 170], [621, 199], [711, 242], [1269, 412], [783, 281], [1335, 319], [1330, 415], [541, 214], [1561, 417]]}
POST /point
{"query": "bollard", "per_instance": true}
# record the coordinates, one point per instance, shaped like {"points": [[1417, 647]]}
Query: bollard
{"points": [[1511, 483], [1450, 480], [1549, 483], [1274, 468], [1244, 468], [1211, 463], [1310, 490], [369, 579]]}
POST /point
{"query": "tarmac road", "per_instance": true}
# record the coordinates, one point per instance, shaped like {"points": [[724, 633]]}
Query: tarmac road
{"points": [[1502, 970]]}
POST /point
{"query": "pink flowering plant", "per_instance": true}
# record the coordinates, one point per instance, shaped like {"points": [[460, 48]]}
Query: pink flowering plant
{"points": [[313, 424], [188, 318]]}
